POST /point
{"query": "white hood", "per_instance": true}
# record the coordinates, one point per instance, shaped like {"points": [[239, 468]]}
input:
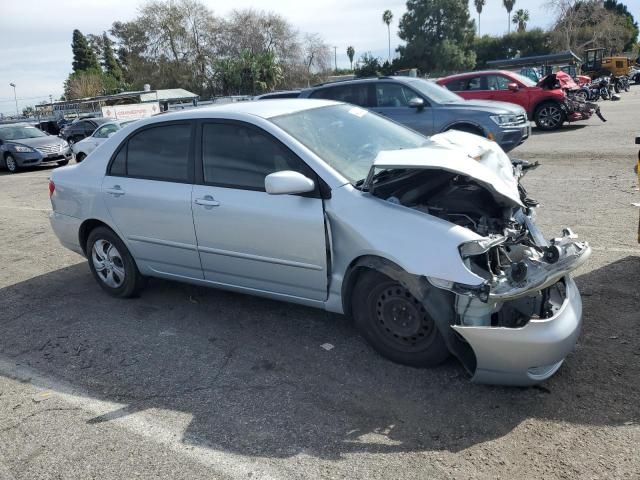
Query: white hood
{"points": [[462, 153]]}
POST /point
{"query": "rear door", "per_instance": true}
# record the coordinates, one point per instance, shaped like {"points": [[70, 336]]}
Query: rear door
{"points": [[246, 237], [392, 101], [147, 191]]}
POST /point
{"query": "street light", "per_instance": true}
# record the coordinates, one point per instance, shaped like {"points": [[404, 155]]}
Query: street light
{"points": [[15, 97]]}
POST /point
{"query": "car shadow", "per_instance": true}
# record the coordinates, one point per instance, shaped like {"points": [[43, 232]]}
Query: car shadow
{"points": [[566, 127], [255, 379]]}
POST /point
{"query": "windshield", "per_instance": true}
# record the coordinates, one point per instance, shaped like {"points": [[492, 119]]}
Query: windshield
{"points": [[526, 81], [18, 132], [435, 92], [346, 137]]}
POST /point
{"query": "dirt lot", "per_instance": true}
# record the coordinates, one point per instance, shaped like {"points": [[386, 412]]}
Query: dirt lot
{"points": [[186, 382]]}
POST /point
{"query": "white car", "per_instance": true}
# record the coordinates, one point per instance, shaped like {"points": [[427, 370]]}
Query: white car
{"points": [[429, 244], [87, 145]]}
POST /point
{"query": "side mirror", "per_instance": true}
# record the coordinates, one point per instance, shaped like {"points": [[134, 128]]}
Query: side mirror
{"points": [[513, 86], [416, 102], [288, 182]]}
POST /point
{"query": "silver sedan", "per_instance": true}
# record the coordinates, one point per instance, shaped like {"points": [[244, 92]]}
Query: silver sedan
{"points": [[429, 244]]}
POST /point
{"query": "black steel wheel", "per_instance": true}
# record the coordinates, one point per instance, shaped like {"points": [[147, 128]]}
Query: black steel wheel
{"points": [[395, 322]]}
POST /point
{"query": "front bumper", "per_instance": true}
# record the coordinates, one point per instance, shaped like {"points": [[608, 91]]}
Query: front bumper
{"points": [[510, 137], [32, 159], [529, 354]]}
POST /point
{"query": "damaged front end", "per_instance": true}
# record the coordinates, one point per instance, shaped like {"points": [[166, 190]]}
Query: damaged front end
{"points": [[523, 316]]}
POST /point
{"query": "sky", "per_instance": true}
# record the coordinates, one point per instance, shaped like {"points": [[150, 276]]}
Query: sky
{"points": [[35, 38]]}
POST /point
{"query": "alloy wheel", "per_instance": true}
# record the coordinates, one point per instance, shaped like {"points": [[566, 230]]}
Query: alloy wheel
{"points": [[550, 116], [12, 166], [108, 263]]}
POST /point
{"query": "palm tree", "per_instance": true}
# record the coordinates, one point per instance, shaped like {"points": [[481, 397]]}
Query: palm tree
{"points": [[350, 53], [387, 16], [479, 5], [508, 4], [520, 18]]}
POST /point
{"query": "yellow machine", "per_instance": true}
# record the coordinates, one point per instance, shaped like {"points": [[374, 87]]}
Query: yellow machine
{"points": [[597, 64]]}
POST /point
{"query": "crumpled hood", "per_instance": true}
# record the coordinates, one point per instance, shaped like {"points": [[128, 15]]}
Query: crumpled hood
{"points": [[462, 153]]}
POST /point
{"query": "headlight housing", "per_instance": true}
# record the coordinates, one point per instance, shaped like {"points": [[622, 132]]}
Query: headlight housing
{"points": [[505, 120], [23, 149]]}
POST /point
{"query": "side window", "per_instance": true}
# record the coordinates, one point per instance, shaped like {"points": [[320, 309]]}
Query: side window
{"points": [[103, 132], [393, 95], [160, 153], [356, 94], [497, 82], [237, 156], [456, 85], [119, 164], [87, 127], [475, 83]]}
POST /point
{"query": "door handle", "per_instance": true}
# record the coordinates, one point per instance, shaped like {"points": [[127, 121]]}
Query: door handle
{"points": [[207, 201], [116, 191]]}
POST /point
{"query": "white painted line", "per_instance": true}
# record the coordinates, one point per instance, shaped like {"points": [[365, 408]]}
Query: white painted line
{"points": [[16, 207]]}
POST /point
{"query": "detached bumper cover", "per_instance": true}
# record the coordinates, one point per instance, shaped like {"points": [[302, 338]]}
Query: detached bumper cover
{"points": [[530, 354]]}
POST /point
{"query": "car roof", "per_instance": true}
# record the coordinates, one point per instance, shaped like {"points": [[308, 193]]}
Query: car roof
{"points": [[266, 109], [476, 74], [400, 79]]}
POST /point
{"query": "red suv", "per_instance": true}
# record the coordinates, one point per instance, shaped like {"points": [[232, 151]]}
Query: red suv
{"points": [[546, 107]]}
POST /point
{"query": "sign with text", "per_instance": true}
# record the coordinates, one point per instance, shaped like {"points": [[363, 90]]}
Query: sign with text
{"points": [[131, 112]]}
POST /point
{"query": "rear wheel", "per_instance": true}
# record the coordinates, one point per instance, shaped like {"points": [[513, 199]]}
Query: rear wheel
{"points": [[112, 265], [11, 164], [549, 116], [396, 323]]}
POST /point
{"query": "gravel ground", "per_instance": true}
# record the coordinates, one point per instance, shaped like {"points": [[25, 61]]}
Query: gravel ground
{"points": [[187, 382]]}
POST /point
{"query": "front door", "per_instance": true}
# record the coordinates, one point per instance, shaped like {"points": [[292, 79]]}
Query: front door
{"points": [[148, 194], [498, 87], [392, 101], [246, 237]]}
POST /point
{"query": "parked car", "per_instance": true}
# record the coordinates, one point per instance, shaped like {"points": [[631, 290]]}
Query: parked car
{"points": [[544, 106], [82, 128], [428, 108], [428, 243], [87, 145], [23, 145]]}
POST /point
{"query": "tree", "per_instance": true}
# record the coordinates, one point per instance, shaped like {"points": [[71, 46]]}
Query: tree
{"points": [[317, 55], [524, 44], [479, 5], [351, 53], [621, 9], [520, 18], [387, 16], [508, 5], [582, 24], [438, 34], [109, 61], [84, 58], [84, 83]]}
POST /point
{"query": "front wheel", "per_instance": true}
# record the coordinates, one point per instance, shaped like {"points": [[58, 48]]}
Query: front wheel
{"points": [[112, 265], [549, 116], [395, 323], [11, 164]]}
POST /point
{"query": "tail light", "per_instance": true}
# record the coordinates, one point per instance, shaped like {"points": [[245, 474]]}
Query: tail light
{"points": [[52, 188]]}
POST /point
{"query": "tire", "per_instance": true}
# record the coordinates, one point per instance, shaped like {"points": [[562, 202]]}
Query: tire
{"points": [[549, 116], [395, 323], [616, 87], [120, 276], [467, 129], [80, 157], [63, 163], [11, 164]]}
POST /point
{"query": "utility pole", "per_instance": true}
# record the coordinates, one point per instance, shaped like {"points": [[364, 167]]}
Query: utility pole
{"points": [[335, 57], [15, 97]]}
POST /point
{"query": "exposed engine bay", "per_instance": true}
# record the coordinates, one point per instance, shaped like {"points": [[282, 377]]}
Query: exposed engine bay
{"points": [[522, 273]]}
